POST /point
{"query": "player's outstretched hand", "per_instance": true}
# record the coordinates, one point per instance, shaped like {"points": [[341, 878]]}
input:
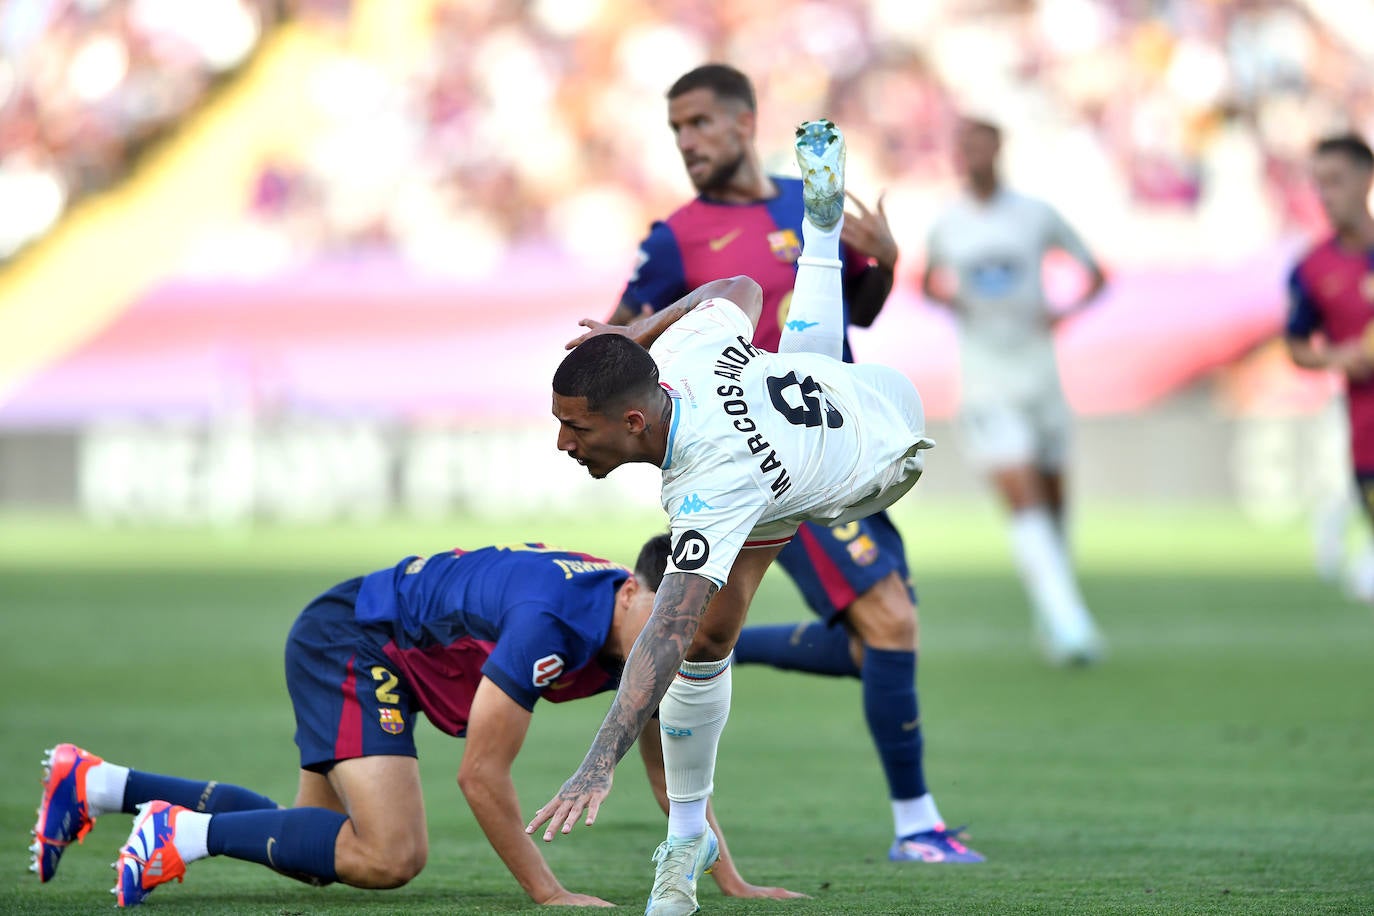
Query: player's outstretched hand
{"points": [[568, 898], [584, 791], [596, 329], [867, 232], [758, 892]]}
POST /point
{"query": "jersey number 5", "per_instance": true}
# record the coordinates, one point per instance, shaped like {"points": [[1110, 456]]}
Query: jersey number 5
{"points": [[808, 411]]}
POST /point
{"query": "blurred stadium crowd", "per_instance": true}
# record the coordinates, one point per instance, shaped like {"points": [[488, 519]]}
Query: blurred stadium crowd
{"points": [[1153, 124]]}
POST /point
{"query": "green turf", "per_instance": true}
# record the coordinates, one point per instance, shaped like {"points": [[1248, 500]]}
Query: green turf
{"points": [[1221, 762]]}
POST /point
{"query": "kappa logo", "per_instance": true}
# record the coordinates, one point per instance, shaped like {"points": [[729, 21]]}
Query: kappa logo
{"points": [[691, 551], [694, 503], [798, 325], [547, 670]]}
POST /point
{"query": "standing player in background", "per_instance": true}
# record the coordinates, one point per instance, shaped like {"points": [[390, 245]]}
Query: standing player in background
{"points": [[1014, 418], [853, 576], [1331, 291], [473, 639]]}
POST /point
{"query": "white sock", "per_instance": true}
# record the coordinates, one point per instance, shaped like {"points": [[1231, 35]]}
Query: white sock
{"points": [[817, 296], [687, 818], [193, 831], [1048, 577], [692, 717], [105, 788], [915, 815]]}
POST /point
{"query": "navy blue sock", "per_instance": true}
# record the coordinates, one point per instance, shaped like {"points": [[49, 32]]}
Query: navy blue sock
{"points": [[894, 718], [211, 797], [811, 647], [295, 841]]}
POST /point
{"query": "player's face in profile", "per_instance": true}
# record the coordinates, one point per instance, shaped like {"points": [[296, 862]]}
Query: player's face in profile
{"points": [[1343, 186], [975, 149], [712, 134], [597, 442]]}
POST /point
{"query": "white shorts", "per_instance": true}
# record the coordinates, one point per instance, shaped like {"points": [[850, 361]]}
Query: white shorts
{"points": [[998, 435]]}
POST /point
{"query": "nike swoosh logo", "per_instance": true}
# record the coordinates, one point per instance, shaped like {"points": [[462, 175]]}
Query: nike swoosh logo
{"points": [[911, 726], [726, 239], [271, 841]]}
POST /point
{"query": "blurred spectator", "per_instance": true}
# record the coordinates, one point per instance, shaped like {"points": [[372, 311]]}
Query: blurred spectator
{"points": [[86, 84], [1159, 127]]}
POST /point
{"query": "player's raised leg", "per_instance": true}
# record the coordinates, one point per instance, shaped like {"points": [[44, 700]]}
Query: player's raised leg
{"points": [[815, 319]]}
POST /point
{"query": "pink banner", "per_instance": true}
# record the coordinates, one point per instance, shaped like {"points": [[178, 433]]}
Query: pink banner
{"points": [[374, 337]]}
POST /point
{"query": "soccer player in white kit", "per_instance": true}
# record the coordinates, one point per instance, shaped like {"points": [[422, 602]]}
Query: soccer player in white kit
{"points": [[1014, 419], [751, 445]]}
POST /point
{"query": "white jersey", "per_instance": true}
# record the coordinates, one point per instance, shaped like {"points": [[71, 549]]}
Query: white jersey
{"points": [[996, 248], [761, 442]]}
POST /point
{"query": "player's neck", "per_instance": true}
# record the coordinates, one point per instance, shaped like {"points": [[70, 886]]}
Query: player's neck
{"points": [[657, 432], [748, 185], [1358, 236], [983, 188]]}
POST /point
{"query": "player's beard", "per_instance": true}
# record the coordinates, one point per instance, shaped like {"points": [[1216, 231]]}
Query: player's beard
{"points": [[719, 178]]}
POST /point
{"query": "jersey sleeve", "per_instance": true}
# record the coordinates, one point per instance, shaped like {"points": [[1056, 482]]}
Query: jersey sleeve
{"points": [[1062, 236], [1304, 318], [714, 322], [710, 515], [659, 278], [535, 648]]}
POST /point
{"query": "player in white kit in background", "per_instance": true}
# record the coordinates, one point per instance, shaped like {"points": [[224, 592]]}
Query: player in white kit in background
{"points": [[1014, 420], [751, 445]]}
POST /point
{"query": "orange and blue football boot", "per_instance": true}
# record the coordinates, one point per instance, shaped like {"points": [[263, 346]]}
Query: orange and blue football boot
{"points": [[150, 857], [63, 813], [935, 845]]}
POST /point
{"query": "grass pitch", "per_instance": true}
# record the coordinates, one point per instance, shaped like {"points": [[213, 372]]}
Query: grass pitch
{"points": [[1222, 760]]}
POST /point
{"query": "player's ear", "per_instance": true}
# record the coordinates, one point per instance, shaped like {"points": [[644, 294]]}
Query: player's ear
{"points": [[635, 421]]}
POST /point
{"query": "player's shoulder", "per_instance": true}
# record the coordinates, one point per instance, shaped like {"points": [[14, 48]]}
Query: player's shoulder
{"points": [[1316, 253]]}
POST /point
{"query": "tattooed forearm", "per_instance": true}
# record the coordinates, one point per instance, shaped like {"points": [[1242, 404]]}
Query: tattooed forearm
{"points": [[652, 665]]}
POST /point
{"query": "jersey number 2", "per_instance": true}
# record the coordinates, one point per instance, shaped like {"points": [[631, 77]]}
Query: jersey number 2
{"points": [[384, 692], [808, 411]]}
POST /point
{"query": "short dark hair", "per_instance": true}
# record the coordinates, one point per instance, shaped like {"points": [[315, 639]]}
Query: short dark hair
{"points": [[1352, 146], [653, 560], [722, 79], [607, 370]]}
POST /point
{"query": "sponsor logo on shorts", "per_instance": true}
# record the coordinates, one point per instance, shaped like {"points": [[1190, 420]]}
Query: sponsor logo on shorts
{"points": [[691, 551], [390, 720], [694, 503], [796, 324], [547, 670]]}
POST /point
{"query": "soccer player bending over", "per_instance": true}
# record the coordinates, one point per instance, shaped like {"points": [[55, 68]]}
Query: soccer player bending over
{"points": [[471, 639], [751, 445]]}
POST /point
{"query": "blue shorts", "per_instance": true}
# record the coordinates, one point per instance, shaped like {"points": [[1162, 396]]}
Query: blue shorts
{"points": [[833, 566], [347, 698]]}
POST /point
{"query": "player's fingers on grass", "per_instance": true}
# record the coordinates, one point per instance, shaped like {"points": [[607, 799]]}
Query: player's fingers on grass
{"points": [[542, 816]]}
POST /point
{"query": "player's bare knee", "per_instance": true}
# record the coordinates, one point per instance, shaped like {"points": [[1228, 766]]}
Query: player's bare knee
{"points": [[396, 867], [884, 617]]}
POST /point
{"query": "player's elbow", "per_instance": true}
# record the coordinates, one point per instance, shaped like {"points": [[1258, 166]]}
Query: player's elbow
{"points": [[747, 294]]}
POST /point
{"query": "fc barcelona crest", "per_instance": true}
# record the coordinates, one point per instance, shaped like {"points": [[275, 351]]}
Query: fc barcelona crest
{"points": [[785, 245], [391, 721], [862, 550]]}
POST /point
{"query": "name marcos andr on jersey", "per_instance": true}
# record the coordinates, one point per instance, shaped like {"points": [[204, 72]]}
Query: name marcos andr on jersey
{"points": [[728, 365]]}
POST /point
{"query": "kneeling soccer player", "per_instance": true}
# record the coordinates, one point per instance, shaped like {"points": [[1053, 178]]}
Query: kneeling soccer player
{"points": [[472, 639]]}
